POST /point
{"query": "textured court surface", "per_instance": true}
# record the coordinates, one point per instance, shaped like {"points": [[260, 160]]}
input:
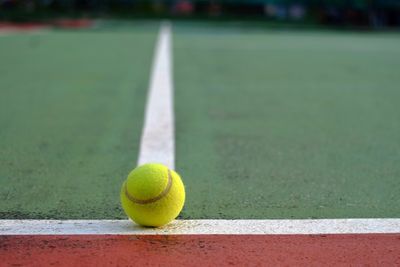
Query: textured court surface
{"points": [[201, 250], [269, 124], [71, 112], [282, 124]]}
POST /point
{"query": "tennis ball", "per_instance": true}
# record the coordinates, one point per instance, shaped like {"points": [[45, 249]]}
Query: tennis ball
{"points": [[152, 195]]}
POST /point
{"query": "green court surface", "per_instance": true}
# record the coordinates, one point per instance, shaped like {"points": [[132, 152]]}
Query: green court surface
{"points": [[281, 124], [71, 114], [269, 124]]}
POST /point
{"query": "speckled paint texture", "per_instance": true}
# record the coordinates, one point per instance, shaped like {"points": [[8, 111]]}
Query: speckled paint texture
{"points": [[286, 124]]}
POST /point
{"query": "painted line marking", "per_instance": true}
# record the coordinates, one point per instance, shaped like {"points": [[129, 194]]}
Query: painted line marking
{"points": [[201, 227], [158, 137]]}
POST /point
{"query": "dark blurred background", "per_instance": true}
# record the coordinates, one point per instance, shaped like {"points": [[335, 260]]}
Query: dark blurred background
{"points": [[374, 14]]}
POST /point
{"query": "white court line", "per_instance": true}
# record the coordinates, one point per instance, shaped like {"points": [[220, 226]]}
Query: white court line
{"points": [[158, 139], [201, 227]]}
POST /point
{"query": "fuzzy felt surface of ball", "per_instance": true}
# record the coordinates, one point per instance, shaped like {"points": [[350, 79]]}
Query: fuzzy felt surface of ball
{"points": [[152, 195]]}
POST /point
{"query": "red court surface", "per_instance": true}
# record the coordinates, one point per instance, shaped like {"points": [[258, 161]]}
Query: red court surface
{"points": [[6, 27], [74, 23], [22, 27], [201, 250]]}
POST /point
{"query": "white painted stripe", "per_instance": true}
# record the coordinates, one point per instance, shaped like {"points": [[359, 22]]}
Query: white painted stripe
{"points": [[157, 142], [200, 227]]}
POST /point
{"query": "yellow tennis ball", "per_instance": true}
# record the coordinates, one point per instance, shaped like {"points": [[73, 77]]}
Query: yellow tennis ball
{"points": [[152, 195]]}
